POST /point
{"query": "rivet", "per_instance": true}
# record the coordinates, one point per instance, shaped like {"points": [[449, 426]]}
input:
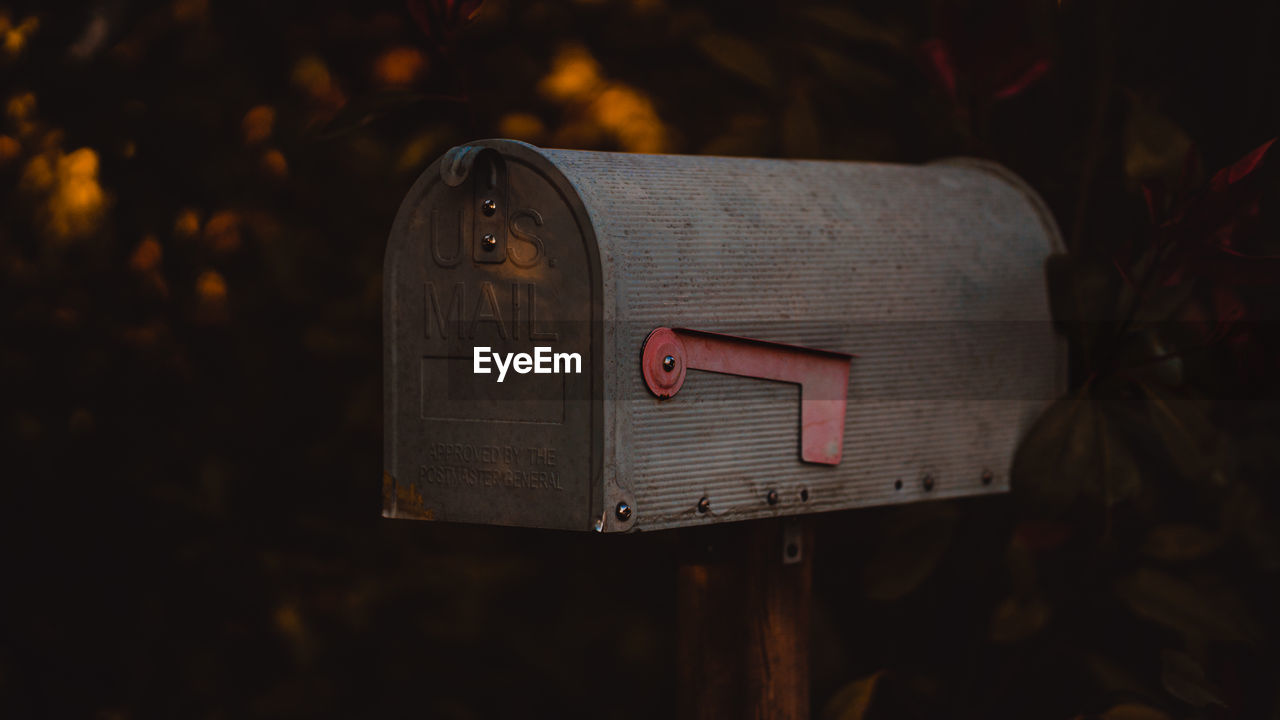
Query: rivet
{"points": [[804, 494], [623, 512], [668, 363], [927, 482], [897, 484], [490, 207], [489, 241], [772, 497], [987, 477], [704, 505]]}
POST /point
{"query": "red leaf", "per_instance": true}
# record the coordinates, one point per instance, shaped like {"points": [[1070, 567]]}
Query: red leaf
{"points": [[1028, 77], [1210, 230], [439, 19], [1237, 171], [1151, 194], [939, 59]]}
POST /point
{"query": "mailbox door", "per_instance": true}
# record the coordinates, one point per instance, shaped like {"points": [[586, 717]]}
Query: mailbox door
{"points": [[487, 252]]}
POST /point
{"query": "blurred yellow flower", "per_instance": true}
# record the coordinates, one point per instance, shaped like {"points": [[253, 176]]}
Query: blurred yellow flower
{"points": [[575, 75], [522, 126], [399, 67], [630, 116], [10, 149], [274, 164], [600, 108], [311, 75], [258, 123], [147, 255], [21, 109], [73, 201], [211, 288], [14, 37], [187, 224], [222, 231]]}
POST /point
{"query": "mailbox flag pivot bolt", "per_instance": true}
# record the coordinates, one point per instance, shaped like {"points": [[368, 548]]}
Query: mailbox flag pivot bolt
{"points": [[704, 505], [490, 207], [668, 363], [623, 512], [489, 241]]}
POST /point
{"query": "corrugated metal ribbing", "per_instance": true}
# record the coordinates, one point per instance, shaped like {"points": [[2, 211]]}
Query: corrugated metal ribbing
{"points": [[931, 274]]}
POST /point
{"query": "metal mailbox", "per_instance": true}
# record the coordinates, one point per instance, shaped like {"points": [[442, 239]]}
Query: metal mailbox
{"points": [[608, 341]]}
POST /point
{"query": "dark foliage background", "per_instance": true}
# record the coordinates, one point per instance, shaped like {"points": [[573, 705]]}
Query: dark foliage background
{"points": [[195, 197]]}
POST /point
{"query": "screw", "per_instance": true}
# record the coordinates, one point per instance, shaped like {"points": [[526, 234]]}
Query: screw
{"points": [[704, 505], [489, 241], [490, 207], [792, 550], [623, 512], [772, 497], [987, 477], [804, 494], [928, 482], [668, 363]]}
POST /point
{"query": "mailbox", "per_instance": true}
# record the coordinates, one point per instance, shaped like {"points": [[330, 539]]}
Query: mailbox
{"points": [[617, 342]]}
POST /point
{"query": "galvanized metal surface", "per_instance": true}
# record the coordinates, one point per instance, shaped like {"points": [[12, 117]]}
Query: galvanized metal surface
{"points": [[932, 275]]}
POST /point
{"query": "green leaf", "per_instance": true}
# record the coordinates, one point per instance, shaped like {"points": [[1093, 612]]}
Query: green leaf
{"points": [[1184, 679], [1172, 602], [1059, 439], [1018, 618], [1083, 301], [1074, 449], [847, 73], [1190, 438], [739, 57], [1113, 677], [852, 701], [747, 134], [914, 542], [1176, 542], [800, 134], [1155, 148], [854, 26]]}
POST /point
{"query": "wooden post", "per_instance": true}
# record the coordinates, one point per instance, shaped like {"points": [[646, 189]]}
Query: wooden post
{"points": [[743, 621]]}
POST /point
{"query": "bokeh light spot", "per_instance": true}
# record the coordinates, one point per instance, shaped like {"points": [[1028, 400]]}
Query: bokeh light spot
{"points": [[311, 75], [147, 255], [10, 149], [575, 75], [211, 287], [522, 126], [187, 224], [399, 67], [258, 123], [222, 232], [274, 164]]}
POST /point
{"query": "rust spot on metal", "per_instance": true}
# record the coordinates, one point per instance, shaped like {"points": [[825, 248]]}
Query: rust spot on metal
{"points": [[388, 494], [409, 502]]}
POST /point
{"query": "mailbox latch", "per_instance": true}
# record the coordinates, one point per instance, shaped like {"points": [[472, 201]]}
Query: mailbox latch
{"points": [[823, 377]]}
